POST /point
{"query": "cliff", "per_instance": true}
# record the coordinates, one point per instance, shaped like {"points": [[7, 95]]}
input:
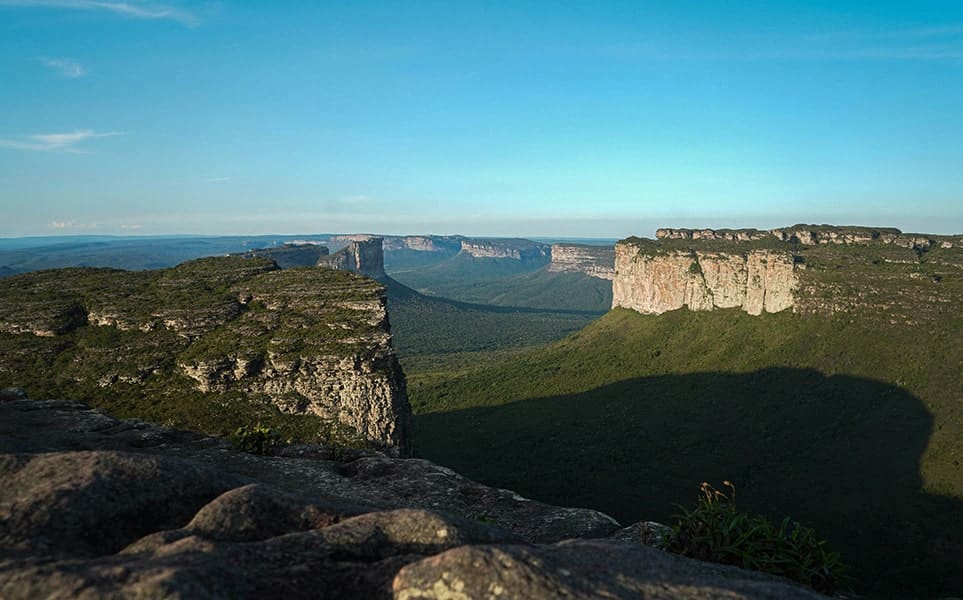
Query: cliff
{"points": [[517, 249], [364, 256], [594, 261], [217, 338], [423, 243], [905, 278], [95, 507], [757, 281]]}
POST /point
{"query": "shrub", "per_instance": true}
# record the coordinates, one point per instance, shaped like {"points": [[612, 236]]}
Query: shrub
{"points": [[257, 439], [716, 531]]}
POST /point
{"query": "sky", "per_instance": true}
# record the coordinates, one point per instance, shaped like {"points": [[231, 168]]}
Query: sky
{"points": [[514, 118]]}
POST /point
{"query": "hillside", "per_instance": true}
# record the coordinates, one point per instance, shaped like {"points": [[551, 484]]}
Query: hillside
{"points": [[844, 412], [211, 344]]}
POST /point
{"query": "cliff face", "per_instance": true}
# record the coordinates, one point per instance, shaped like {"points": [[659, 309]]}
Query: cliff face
{"points": [[521, 250], [225, 330], [364, 256], [423, 243], [758, 281], [594, 261]]}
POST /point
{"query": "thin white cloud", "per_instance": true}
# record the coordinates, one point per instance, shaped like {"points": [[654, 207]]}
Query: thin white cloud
{"points": [[134, 9], [67, 67], [216, 179], [56, 142], [59, 224], [135, 226]]}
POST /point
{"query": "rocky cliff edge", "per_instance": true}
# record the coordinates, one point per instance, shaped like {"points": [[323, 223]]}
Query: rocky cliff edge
{"points": [[94, 507]]}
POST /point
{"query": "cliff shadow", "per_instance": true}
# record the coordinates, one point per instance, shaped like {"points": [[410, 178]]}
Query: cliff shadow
{"points": [[841, 454]]}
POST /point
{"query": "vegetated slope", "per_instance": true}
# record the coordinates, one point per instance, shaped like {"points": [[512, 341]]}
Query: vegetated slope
{"points": [[212, 344], [461, 270], [541, 289], [850, 423]]}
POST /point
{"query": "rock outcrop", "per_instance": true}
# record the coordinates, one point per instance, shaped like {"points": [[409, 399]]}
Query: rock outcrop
{"points": [[94, 507], [423, 243], [364, 256], [594, 261], [812, 235], [653, 283], [218, 331], [517, 249]]}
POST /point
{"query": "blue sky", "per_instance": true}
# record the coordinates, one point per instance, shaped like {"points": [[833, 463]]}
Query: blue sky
{"points": [[599, 119]]}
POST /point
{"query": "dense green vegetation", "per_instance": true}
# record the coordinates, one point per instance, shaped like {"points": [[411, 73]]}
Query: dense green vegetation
{"points": [[716, 531], [851, 425], [541, 289], [464, 269], [117, 339]]}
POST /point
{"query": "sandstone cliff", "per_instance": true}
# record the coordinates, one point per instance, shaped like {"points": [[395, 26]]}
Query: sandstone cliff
{"points": [[517, 249], [880, 272], [757, 281], [423, 243], [230, 332], [594, 261], [94, 507], [364, 256]]}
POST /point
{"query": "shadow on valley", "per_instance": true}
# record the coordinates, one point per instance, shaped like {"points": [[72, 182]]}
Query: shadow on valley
{"points": [[839, 453]]}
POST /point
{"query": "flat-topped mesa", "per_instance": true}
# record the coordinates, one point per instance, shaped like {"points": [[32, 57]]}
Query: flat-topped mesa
{"points": [[653, 283], [423, 243], [732, 235], [814, 235], [364, 256], [212, 332], [517, 249], [594, 261]]}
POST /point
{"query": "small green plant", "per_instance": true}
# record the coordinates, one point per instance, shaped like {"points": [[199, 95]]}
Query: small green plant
{"points": [[716, 531], [257, 439], [695, 268]]}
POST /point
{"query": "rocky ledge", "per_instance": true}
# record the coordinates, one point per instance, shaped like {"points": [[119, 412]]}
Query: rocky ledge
{"points": [[95, 507]]}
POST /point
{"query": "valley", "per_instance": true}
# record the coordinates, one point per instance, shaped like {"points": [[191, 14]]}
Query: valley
{"points": [[819, 369]]}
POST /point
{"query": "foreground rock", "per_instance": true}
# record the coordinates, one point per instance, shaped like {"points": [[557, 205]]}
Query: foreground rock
{"points": [[94, 507]]}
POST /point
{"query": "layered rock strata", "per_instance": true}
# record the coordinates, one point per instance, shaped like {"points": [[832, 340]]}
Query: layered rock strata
{"points": [[94, 507], [359, 256], [517, 249], [812, 235], [594, 261], [653, 283], [309, 341]]}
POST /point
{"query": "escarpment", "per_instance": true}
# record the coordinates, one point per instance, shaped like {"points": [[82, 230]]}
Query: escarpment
{"points": [[757, 281], [594, 261], [210, 337], [907, 278], [517, 249], [363, 255]]}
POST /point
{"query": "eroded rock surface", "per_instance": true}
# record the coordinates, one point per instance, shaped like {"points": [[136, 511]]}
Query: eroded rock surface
{"points": [[757, 281], [364, 255], [594, 261], [95, 507], [230, 329]]}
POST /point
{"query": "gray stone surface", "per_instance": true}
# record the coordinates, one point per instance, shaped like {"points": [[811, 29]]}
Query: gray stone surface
{"points": [[95, 507]]}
